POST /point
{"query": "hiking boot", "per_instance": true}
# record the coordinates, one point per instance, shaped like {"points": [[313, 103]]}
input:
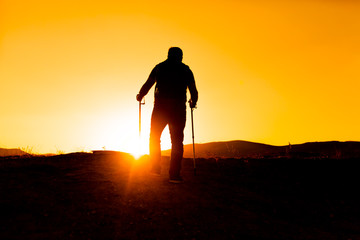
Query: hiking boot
{"points": [[176, 180]]}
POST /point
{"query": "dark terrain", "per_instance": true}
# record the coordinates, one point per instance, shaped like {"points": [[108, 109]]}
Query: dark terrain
{"points": [[246, 149], [111, 196]]}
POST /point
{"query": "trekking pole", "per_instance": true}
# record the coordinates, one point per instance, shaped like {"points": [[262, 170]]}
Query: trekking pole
{"points": [[192, 127], [140, 103]]}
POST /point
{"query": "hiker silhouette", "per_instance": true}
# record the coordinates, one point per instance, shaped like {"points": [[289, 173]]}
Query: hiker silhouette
{"points": [[172, 79]]}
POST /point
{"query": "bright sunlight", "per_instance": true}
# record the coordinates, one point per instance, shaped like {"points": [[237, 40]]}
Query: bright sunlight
{"points": [[110, 135]]}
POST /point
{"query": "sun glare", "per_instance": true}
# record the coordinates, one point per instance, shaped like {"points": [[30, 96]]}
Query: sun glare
{"points": [[120, 132], [134, 144], [126, 138], [129, 143], [138, 148]]}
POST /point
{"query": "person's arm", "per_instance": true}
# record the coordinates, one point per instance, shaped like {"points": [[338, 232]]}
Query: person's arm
{"points": [[193, 90], [147, 85]]}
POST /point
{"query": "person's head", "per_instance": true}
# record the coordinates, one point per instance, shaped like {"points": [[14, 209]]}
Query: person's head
{"points": [[175, 54]]}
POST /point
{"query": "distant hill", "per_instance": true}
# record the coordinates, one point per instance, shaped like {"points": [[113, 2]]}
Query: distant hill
{"points": [[243, 149], [5, 152]]}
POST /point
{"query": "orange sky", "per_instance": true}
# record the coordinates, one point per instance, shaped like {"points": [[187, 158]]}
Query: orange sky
{"points": [[267, 71]]}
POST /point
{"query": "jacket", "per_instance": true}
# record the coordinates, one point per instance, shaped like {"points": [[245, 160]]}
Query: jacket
{"points": [[172, 79]]}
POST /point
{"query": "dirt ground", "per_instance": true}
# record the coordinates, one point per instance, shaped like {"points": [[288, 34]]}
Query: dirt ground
{"points": [[99, 196]]}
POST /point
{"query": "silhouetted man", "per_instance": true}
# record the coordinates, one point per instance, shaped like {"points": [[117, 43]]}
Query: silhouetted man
{"points": [[172, 78]]}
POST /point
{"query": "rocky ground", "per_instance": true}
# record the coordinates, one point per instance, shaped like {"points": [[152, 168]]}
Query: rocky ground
{"points": [[112, 196]]}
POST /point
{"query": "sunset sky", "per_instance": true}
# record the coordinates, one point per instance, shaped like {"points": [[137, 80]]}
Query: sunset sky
{"points": [[267, 71]]}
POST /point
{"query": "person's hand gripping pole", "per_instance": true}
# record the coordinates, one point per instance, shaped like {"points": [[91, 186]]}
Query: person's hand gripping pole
{"points": [[141, 102]]}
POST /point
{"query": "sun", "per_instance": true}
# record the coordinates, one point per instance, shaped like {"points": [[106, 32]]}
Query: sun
{"points": [[138, 148], [134, 144], [139, 145], [108, 134], [127, 142]]}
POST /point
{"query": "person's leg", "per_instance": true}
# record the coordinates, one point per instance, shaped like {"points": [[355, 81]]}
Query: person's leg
{"points": [[176, 127], [158, 123]]}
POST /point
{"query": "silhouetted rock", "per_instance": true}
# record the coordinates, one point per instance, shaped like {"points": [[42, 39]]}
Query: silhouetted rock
{"points": [[4, 152]]}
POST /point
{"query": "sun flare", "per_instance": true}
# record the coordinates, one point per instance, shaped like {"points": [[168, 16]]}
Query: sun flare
{"points": [[138, 148], [128, 142], [109, 135]]}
